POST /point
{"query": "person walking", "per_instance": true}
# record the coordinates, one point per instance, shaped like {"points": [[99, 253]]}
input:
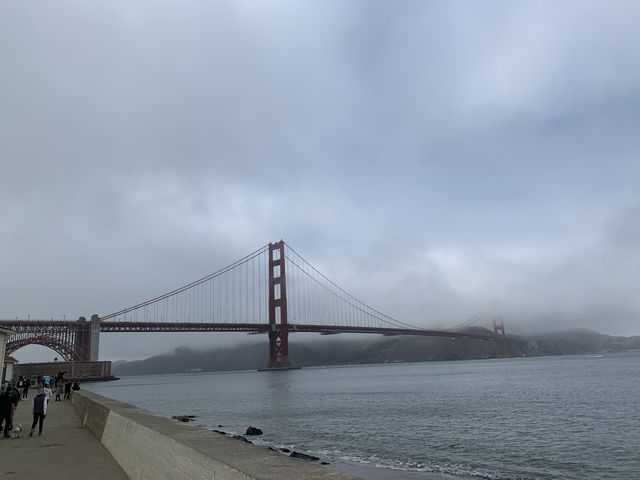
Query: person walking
{"points": [[67, 390], [25, 387], [39, 411], [47, 391], [8, 405], [59, 391], [11, 388], [15, 395]]}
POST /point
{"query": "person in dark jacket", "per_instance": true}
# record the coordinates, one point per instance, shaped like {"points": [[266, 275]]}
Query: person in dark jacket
{"points": [[25, 388], [15, 395], [11, 388], [67, 390], [8, 404], [39, 411]]}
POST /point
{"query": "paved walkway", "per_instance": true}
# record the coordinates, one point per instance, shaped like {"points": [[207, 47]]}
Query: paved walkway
{"points": [[63, 451]]}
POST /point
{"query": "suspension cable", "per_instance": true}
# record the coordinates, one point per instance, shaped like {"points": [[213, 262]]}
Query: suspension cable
{"points": [[222, 271], [381, 316]]}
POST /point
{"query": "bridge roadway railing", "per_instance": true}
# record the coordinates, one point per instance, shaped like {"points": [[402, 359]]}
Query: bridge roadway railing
{"points": [[35, 327], [113, 327]]}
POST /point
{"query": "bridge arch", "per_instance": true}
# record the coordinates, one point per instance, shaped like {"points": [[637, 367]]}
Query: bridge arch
{"points": [[66, 350]]}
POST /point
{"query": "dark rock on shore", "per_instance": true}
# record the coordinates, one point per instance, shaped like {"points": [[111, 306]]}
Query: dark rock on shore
{"points": [[285, 450], [240, 437], [184, 418], [253, 431], [304, 456]]}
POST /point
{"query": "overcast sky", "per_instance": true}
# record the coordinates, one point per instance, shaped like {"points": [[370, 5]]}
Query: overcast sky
{"points": [[429, 157]]}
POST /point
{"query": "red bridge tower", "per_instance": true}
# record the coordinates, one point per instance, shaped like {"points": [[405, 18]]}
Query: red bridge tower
{"points": [[278, 329], [501, 338]]}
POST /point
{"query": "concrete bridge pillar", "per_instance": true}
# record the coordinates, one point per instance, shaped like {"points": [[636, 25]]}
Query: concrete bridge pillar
{"points": [[82, 339], [94, 342], [87, 339]]}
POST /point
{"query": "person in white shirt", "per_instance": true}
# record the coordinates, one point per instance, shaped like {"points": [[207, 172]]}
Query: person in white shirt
{"points": [[47, 391]]}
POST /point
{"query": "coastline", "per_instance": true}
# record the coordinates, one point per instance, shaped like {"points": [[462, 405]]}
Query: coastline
{"points": [[361, 471], [148, 446], [418, 421], [256, 448], [367, 472]]}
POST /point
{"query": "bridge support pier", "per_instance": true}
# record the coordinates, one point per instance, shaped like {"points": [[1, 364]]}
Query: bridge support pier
{"points": [[82, 340], [278, 329], [94, 343], [87, 339], [501, 338]]}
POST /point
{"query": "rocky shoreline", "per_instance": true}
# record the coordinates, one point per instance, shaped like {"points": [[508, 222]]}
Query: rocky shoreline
{"points": [[253, 431], [362, 471]]}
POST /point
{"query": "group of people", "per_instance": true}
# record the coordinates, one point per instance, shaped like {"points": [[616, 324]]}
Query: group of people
{"points": [[15, 391], [23, 384]]}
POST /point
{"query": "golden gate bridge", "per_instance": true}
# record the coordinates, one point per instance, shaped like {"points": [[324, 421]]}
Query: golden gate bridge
{"points": [[273, 291]]}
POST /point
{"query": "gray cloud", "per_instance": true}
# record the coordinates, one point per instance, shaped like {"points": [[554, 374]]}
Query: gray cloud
{"points": [[427, 156]]}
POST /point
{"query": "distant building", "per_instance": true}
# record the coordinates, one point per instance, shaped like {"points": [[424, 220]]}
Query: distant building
{"points": [[4, 335], [71, 370]]}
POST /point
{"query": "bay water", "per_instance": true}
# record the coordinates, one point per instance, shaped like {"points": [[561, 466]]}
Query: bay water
{"points": [[522, 418]]}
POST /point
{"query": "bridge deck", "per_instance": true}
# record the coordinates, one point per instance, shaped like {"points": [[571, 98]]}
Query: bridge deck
{"points": [[52, 326], [111, 326]]}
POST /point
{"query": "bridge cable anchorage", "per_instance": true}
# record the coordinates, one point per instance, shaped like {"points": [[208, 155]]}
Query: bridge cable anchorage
{"points": [[185, 307], [358, 305]]}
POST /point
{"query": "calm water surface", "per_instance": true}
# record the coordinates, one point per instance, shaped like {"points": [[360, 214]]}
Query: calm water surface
{"points": [[542, 418]]}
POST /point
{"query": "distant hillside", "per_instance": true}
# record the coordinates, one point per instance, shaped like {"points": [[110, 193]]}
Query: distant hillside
{"points": [[582, 340], [386, 349]]}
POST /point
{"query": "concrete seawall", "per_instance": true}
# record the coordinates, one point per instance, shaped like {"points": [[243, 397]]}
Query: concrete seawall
{"points": [[148, 446]]}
